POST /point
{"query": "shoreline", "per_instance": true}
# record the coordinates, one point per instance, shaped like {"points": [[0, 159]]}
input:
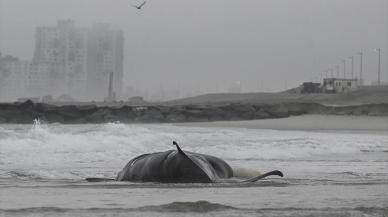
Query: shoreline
{"points": [[321, 123], [28, 111]]}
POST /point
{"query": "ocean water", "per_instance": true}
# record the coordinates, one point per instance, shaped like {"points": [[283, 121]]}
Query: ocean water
{"points": [[43, 167]]}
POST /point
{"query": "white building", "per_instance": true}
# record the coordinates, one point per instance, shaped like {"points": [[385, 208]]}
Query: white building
{"points": [[105, 55], [83, 59], [23, 79], [64, 46], [339, 85], [15, 81], [67, 61], [40, 82]]}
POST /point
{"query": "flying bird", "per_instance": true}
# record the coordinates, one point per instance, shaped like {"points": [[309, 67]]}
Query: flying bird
{"points": [[139, 6]]}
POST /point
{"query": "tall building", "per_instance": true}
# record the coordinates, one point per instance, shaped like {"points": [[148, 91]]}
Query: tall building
{"points": [[23, 79], [83, 59], [65, 47], [105, 55], [13, 78]]}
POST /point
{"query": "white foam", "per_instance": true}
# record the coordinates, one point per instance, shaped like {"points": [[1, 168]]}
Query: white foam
{"points": [[80, 150]]}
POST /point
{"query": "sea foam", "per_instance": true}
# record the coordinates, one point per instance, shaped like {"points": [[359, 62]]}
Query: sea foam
{"points": [[74, 151]]}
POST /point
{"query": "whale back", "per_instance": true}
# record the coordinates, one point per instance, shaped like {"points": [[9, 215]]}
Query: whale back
{"points": [[175, 166], [214, 167]]}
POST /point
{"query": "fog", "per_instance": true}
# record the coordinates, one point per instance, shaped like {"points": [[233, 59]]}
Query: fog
{"points": [[203, 46]]}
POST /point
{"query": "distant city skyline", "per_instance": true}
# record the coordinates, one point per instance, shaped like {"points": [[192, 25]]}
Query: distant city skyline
{"points": [[207, 46], [72, 61]]}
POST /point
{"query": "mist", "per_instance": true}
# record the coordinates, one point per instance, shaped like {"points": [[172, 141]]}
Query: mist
{"points": [[196, 47]]}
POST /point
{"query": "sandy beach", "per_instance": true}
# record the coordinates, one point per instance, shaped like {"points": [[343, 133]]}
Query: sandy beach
{"points": [[307, 123]]}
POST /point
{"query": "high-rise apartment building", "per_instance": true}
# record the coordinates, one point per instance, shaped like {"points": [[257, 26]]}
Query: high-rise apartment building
{"points": [[104, 56], [83, 59], [23, 79], [13, 78], [64, 46]]}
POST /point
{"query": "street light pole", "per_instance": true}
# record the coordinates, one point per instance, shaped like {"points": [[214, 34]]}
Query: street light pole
{"points": [[378, 50], [361, 59], [338, 71], [352, 58], [344, 61]]}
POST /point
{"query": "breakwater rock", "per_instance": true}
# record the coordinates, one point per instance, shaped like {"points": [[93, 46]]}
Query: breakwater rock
{"points": [[71, 114]]}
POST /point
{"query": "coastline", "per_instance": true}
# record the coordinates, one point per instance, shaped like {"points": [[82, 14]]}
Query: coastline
{"points": [[28, 111], [308, 122]]}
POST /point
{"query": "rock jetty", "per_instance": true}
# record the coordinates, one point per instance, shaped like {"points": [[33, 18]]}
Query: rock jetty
{"points": [[28, 111]]}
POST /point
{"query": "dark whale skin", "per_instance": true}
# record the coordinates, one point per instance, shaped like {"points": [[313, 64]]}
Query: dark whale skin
{"points": [[175, 166]]}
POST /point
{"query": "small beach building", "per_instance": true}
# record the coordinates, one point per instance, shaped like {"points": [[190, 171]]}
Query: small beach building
{"points": [[339, 85], [311, 87]]}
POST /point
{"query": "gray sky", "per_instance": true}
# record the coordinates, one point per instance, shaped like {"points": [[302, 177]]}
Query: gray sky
{"points": [[210, 44]]}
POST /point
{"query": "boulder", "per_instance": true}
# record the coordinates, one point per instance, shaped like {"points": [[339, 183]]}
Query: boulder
{"points": [[9, 112], [12, 113], [377, 109], [54, 118], [193, 114], [87, 109], [45, 108], [124, 113], [29, 109], [102, 115], [21, 118], [276, 110], [360, 111], [27, 105], [214, 114], [242, 108], [69, 113], [239, 111], [297, 108], [261, 114], [151, 115]]}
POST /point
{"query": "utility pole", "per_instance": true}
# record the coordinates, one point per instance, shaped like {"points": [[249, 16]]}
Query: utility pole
{"points": [[1, 23], [378, 50], [111, 95], [338, 71], [352, 59], [344, 62], [361, 62]]}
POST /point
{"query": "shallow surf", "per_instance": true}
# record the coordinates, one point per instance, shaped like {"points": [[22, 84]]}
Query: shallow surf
{"points": [[43, 167]]}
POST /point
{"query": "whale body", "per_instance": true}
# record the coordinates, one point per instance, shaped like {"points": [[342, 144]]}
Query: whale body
{"points": [[176, 166]]}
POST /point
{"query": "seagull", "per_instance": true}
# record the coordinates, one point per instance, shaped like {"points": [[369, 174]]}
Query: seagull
{"points": [[140, 6]]}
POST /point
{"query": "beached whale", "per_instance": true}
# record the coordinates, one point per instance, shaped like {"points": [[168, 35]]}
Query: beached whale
{"points": [[177, 166]]}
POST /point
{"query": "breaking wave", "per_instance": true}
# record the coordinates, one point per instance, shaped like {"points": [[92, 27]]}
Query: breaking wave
{"points": [[75, 151]]}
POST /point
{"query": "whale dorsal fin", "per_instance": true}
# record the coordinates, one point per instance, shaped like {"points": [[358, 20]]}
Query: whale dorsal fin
{"points": [[179, 148], [195, 162]]}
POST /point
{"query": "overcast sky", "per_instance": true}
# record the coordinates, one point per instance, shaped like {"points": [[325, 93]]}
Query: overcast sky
{"points": [[208, 45]]}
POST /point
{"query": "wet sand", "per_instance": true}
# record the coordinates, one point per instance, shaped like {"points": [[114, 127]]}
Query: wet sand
{"points": [[308, 123]]}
